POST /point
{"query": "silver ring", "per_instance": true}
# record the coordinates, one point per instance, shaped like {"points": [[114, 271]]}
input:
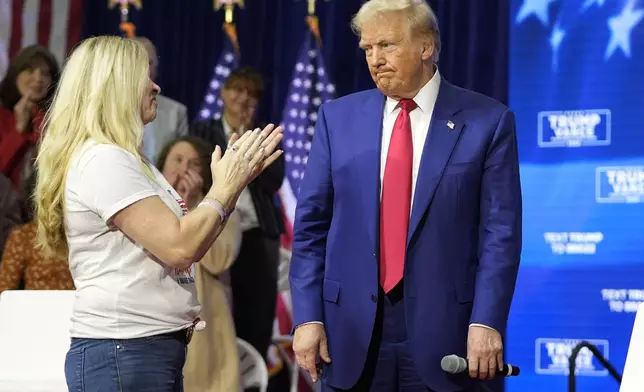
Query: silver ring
{"points": [[234, 148]]}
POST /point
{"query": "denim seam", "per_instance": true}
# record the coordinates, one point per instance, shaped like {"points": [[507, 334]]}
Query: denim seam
{"points": [[116, 364], [81, 371]]}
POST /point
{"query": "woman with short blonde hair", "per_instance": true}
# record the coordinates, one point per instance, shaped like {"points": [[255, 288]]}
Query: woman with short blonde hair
{"points": [[127, 234]]}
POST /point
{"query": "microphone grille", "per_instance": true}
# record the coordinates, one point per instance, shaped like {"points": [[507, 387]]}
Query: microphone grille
{"points": [[453, 364]]}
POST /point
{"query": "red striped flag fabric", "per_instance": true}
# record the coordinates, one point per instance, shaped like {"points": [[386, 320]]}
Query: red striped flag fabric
{"points": [[55, 24]]}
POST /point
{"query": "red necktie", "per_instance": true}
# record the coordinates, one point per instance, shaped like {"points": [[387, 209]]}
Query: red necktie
{"points": [[396, 199]]}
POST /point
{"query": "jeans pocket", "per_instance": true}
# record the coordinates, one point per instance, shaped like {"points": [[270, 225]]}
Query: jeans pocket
{"points": [[74, 368]]}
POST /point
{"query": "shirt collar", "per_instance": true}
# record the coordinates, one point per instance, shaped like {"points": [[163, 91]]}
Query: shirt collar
{"points": [[425, 98], [228, 129]]}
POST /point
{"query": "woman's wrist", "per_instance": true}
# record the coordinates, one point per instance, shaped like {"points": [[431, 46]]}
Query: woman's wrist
{"points": [[217, 206], [223, 196]]}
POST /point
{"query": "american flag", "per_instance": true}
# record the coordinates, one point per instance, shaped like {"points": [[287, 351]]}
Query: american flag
{"points": [[310, 87], [55, 24], [228, 61]]}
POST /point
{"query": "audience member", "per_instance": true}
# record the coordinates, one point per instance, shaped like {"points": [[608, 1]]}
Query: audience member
{"points": [[24, 94], [9, 209], [22, 262], [254, 273], [212, 364], [172, 117], [130, 238]]}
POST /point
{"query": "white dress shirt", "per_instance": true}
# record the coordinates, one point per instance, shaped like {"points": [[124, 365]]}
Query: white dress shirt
{"points": [[247, 214], [420, 119]]}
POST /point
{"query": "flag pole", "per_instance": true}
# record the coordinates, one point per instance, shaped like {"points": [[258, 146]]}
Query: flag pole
{"points": [[126, 26], [313, 22], [229, 25]]}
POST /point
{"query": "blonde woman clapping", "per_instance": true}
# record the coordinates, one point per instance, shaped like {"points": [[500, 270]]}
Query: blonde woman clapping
{"points": [[129, 238]]}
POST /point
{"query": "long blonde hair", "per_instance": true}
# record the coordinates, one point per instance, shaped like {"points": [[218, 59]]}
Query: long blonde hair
{"points": [[98, 98]]}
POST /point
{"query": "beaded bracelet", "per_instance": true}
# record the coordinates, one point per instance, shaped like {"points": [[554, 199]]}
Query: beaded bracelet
{"points": [[213, 203]]}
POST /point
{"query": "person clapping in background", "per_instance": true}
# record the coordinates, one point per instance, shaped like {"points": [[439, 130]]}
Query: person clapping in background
{"points": [[254, 273], [184, 163]]}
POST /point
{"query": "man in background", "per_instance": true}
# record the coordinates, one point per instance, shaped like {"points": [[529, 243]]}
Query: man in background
{"points": [[172, 117], [254, 273]]}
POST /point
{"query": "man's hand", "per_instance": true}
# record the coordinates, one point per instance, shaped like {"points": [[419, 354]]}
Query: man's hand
{"points": [[484, 352], [309, 339]]}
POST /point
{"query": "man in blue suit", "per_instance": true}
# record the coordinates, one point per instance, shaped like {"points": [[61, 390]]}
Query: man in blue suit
{"points": [[407, 232]]}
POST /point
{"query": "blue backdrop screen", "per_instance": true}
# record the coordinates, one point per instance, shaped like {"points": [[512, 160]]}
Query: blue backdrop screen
{"points": [[577, 88]]}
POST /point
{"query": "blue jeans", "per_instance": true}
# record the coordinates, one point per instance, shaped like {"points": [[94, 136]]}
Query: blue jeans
{"points": [[152, 363]]}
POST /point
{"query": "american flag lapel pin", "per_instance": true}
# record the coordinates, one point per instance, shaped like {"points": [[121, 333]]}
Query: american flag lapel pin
{"points": [[450, 125]]}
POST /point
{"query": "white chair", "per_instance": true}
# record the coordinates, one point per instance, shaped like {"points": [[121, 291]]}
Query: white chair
{"points": [[633, 377], [252, 367], [34, 339]]}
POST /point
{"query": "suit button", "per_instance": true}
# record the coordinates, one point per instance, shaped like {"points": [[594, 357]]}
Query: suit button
{"points": [[374, 298]]}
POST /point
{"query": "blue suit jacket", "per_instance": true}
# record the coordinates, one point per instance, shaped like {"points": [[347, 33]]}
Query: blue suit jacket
{"points": [[464, 240]]}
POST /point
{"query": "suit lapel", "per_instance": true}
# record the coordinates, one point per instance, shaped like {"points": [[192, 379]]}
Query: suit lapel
{"points": [[444, 131], [369, 137]]}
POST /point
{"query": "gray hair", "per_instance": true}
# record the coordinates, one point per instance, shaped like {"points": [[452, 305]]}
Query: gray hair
{"points": [[422, 18]]}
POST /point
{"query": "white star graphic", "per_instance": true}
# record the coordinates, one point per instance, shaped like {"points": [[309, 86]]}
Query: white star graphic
{"points": [[537, 7], [621, 27], [589, 3], [556, 37]]}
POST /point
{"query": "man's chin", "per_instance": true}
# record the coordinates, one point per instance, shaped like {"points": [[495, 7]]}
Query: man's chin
{"points": [[385, 87]]}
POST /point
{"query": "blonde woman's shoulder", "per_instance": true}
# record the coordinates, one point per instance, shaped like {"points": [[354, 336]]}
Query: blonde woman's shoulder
{"points": [[101, 153]]}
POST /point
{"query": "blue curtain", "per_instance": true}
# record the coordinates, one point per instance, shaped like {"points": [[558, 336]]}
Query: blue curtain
{"points": [[188, 37]]}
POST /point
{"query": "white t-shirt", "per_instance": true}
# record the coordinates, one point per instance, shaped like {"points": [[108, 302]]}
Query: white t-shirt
{"points": [[121, 292]]}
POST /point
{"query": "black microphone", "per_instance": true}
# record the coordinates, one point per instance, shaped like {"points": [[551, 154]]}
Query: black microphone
{"points": [[454, 364]]}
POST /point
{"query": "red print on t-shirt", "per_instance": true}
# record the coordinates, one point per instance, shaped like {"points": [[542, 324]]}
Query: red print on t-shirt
{"points": [[183, 205], [181, 202]]}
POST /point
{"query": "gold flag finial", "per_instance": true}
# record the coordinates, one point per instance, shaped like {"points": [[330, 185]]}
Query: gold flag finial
{"points": [[126, 26], [229, 7], [313, 22], [124, 3]]}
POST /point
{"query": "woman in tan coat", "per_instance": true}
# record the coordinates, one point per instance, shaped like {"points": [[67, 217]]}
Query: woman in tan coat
{"points": [[212, 364]]}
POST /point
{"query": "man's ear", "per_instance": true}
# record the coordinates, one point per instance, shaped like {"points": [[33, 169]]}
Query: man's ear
{"points": [[428, 49]]}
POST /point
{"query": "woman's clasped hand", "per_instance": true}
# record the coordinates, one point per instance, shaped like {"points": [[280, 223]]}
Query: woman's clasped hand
{"points": [[245, 158]]}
